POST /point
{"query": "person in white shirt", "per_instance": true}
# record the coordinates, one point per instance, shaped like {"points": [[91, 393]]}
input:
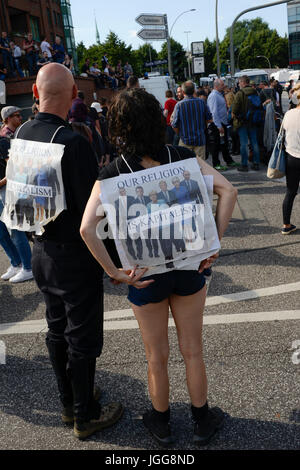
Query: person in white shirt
{"points": [[45, 47], [17, 54], [291, 126]]}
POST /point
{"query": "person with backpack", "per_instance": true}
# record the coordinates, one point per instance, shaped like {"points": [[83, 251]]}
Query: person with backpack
{"points": [[247, 115]]}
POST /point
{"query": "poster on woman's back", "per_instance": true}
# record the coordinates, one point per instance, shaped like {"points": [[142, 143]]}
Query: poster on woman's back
{"points": [[161, 218], [34, 190]]}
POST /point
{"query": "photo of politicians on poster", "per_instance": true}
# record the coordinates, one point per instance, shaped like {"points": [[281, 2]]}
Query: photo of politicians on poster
{"points": [[34, 190], [161, 218]]}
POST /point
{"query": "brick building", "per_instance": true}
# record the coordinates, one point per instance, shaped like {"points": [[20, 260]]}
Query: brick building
{"points": [[43, 18]]}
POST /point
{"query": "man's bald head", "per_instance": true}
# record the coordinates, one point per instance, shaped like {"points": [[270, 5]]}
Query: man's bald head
{"points": [[55, 87]]}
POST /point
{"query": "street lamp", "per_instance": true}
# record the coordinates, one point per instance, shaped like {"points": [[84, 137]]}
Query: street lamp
{"points": [[169, 38], [264, 57], [217, 42], [187, 11], [187, 51]]}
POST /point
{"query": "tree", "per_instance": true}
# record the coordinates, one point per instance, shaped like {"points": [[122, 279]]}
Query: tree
{"points": [[179, 60], [256, 36], [115, 49], [142, 55]]}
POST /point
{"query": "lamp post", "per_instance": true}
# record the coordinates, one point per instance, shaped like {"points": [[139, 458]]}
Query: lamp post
{"points": [[187, 51], [264, 57], [169, 38], [187, 11], [259, 7], [217, 43]]}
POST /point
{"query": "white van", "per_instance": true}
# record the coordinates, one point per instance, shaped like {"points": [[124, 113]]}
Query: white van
{"points": [[157, 85], [255, 75]]}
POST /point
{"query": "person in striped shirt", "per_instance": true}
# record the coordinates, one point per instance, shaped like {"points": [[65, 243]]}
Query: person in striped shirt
{"points": [[191, 116]]}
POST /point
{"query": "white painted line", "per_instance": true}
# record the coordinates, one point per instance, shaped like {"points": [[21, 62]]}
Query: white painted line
{"points": [[253, 294], [40, 325]]}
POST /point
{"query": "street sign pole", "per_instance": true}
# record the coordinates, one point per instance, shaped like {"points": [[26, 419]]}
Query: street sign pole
{"points": [[169, 47]]}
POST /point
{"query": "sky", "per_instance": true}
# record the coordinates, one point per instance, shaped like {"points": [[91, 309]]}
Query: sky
{"points": [[119, 16]]}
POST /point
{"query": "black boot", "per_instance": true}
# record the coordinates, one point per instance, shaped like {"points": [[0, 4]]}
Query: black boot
{"points": [[59, 359], [89, 416]]}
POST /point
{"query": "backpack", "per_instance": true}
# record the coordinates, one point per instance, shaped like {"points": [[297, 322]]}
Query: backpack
{"points": [[254, 114]]}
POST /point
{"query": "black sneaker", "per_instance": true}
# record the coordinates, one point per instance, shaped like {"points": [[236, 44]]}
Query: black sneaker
{"points": [[161, 431], [255, 167], [243, 168], [110, 414], [205, 429], [287, 231]]}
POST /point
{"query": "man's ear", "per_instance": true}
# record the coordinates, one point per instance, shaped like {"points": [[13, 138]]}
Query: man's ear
{"points": [[35, 91]]}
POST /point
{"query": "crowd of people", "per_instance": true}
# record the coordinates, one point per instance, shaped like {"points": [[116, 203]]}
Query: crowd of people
{"points": [[107, 76], [101, 142], [27, 59], [234, 117]]}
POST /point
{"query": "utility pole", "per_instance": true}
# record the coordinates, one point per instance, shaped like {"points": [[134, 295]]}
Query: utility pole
{"points": [[232, 64], [217, 43], [169, 47]]}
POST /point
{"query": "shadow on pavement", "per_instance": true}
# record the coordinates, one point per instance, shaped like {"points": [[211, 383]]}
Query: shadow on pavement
{"points": [[29, 393]]}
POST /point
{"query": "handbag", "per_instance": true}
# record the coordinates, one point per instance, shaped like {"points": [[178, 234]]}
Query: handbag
{"points": [[277, 163]]}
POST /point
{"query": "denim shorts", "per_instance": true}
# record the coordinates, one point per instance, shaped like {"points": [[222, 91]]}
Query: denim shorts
{"points": [[181, 283]]}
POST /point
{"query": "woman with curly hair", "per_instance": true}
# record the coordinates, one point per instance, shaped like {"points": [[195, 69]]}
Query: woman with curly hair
{"points": [[137, 127]]}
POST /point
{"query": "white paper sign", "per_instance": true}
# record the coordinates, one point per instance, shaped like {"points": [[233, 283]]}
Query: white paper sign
{"points": [[161, 218], [34, 190]]}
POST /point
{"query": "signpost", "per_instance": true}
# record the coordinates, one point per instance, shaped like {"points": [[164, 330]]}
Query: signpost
{"points": [[198, 65], [198, 48], [152, 34], [150, 20], [198, 57], [155, 63], [160, 33]]}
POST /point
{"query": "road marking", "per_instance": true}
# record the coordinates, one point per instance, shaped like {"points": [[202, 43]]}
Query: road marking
{"points": [[39, 326], [253, 294]]}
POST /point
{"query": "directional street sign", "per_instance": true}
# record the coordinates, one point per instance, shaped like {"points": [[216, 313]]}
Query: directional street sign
{"points": [[152, 34], [151, 20], [155, 63]]}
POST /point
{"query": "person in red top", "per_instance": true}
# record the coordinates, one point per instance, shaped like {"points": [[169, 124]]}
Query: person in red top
{"points": [[29, 48], [168, 111]]}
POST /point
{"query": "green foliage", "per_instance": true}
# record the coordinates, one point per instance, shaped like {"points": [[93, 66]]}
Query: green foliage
{"points": [[251, 39], [178, 58], [142, 55]]}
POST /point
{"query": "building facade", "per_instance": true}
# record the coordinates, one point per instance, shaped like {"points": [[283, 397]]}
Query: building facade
{"points": [[43, 18], [293, 11]]}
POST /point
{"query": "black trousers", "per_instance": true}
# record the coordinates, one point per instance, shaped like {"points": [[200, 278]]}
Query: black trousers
{"points": [[71, 282], [292, 182], [224, 148]]}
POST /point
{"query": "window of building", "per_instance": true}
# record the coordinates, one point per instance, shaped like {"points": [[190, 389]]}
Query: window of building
{"points": [[18, 21], [35, 27], [49, 17]]}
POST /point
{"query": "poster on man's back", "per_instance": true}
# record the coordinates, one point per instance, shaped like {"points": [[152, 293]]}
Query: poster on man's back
{"points": [[161, 218], [34, 190]]}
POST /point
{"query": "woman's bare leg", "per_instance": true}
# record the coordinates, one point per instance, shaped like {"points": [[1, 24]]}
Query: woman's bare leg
{"points": [[153, 323], [188, 316]]}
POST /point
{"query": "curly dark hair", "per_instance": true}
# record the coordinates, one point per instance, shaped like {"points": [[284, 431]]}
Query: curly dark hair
{"points": [[136, 124]]}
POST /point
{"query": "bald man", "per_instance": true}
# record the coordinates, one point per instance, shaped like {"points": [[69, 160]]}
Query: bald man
{"points": [[67, 275]]}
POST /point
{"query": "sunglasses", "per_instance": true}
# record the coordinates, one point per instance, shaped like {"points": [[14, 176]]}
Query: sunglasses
{"points": [[16, 115]]}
